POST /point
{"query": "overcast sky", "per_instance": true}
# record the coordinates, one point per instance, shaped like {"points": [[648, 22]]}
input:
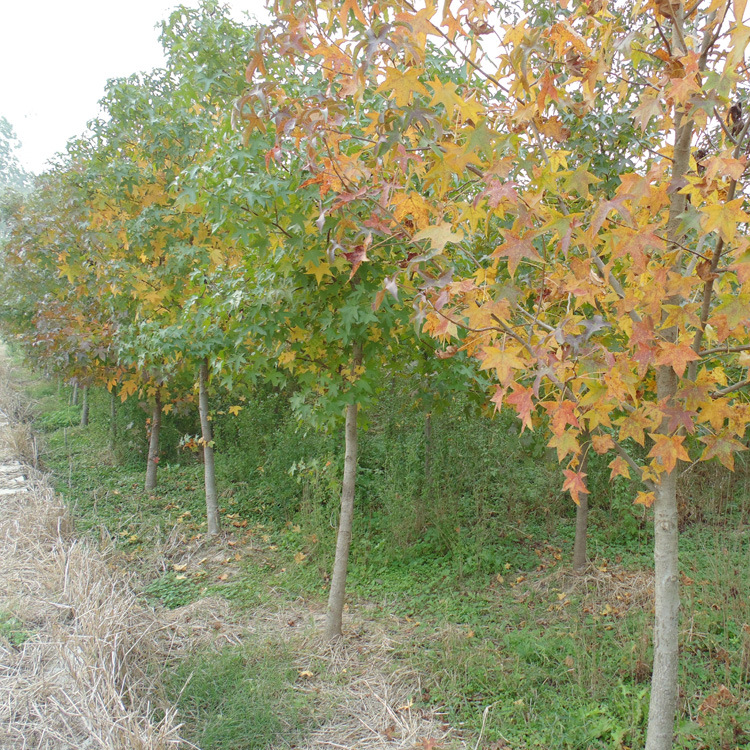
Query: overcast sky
{"points": [[56, 56]]}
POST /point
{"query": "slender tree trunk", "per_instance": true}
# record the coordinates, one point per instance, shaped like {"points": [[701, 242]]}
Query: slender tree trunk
{"points": [[582, 514], [664, 685], [74, 394], [212, 505], [85, 407], [112, 420], [344, 539], [153, 445]]}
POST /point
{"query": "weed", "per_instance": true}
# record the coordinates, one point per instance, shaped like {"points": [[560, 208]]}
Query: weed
{"points": [[13, 630]]}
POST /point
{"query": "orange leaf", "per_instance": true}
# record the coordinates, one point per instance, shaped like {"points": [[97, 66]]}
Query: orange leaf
{"points": [[574, 484], [619, 468], [645, 498], [521, 400], [668, 450], [602, 443]]}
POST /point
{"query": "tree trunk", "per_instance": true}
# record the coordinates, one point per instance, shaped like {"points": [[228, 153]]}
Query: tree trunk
{"points": [[74, 394], [212, 505], [344, 539], [112, 420], [85, 407], [153, 445], [582, 514], [664, 686]]}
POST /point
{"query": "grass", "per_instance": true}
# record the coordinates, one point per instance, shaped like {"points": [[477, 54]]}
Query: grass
{"points": [[242, 698], [481, 604]]}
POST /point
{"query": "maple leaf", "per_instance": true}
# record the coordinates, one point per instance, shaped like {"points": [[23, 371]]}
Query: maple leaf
{"points": [[633, 426], [498, 396], [602, 443], [565, 442], [444, 93], [721, 446], [649, 106], [562, 414], [504, 361], [676, 356], [677, 418], [575, 485], [521, 400], [619, 468], [646, 499], [402, 85], [356, 257], [667, 450], [724, 217], [514, 249], [439, 236], [319, 270], [736, 309], [715, 411]]}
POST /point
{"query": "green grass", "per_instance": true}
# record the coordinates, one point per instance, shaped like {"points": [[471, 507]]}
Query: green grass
{"points": [[243, 698], [477, 596]]}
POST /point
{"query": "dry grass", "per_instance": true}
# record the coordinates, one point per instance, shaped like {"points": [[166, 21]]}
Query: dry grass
{"points": [[617, 588], [372, 695], [82, 678]]}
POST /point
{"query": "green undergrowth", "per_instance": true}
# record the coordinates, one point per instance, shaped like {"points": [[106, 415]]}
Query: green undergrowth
{"points": [[468, 567], [243, 698]]}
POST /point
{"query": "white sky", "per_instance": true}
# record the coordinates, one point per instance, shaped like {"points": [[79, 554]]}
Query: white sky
{"points": [[56, 56]]}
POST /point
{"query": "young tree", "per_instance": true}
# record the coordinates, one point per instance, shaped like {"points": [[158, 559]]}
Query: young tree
{"points": [[617, 306]]}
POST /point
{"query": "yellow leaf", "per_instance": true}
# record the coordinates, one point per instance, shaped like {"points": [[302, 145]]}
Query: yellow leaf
{"points": [[401, 85], [319, 270], [235, 410], [724, 217], [645, 498], [439, 236]]}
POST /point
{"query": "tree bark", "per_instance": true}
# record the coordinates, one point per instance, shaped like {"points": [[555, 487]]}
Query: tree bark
{"points": [[582, 515], [344, 539], [664, 686], [153, 445], [74, 394], [212, 505], [85, 407]]}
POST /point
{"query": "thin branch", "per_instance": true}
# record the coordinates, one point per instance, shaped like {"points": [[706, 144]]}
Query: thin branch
{"points": [[663, 37], [535, 320], [724, 350], [727, 133], [634, 466], [731, 389]]}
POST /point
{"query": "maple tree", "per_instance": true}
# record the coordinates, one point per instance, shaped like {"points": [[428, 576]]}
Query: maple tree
{"points": [[616, 305]]}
